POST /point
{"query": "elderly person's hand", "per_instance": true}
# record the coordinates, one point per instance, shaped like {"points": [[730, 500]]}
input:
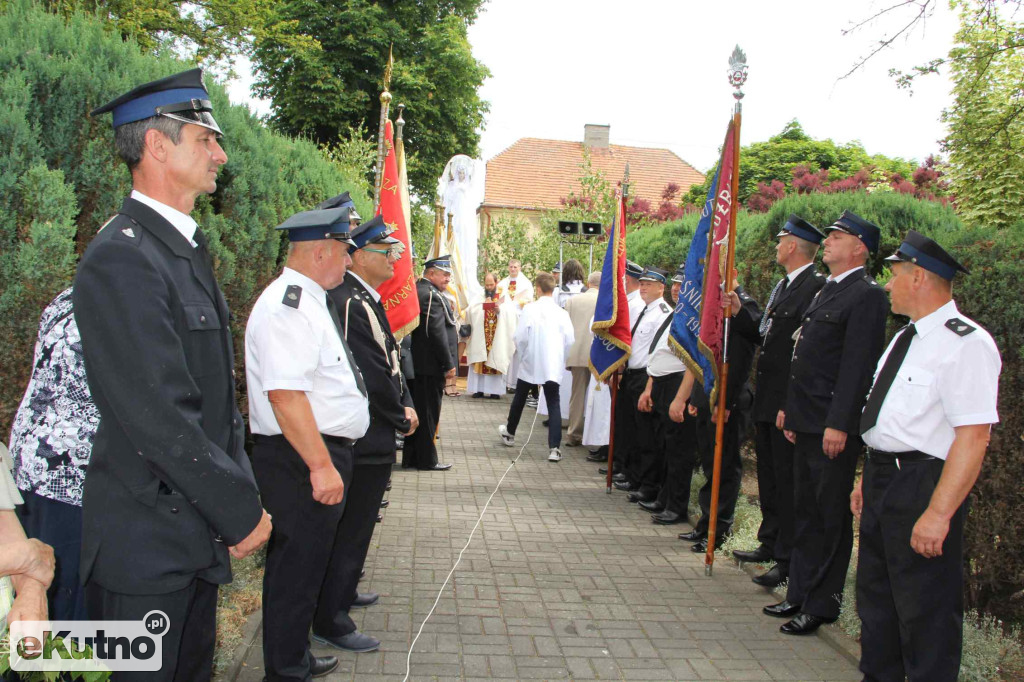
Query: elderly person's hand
{"points": [[36, 560], [29, 601]]}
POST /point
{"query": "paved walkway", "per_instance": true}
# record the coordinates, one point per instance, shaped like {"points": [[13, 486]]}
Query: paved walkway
{"points": [[561, 581]]}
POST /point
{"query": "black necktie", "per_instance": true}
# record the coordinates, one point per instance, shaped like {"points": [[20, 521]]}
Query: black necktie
{"points": [[885, 378], [637, 323], [333, 310]]}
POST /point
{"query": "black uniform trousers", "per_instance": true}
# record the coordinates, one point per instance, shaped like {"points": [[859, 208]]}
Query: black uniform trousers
{"points": [[678, 443], [300, 549], [59, 525], [823, 527], [775, 490], [630, 441], [186, 647], [731, 472], [351, 543], [419, 451], [551, 395], [911, 608]]}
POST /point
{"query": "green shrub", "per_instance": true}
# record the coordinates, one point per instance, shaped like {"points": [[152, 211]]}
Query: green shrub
{"points": [[60, 179]]}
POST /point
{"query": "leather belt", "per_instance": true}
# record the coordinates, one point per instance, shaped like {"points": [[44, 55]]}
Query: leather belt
{"points": [[898, 458]]}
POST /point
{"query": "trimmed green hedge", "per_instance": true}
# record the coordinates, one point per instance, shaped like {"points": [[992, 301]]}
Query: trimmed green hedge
{"points": [[991, 295], [60, 179]]}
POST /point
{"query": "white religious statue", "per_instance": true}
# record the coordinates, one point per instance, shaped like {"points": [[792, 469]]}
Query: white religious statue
{"points": [[461, 189]]}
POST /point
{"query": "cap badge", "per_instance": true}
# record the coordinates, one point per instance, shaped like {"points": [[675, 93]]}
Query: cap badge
{"points": [[128, 232]]}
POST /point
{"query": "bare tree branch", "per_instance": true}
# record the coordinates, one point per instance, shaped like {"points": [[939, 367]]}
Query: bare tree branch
{"points": [[925, 8]]}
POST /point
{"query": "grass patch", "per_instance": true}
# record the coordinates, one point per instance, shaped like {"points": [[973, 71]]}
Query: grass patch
{"points": [[235, 603]]}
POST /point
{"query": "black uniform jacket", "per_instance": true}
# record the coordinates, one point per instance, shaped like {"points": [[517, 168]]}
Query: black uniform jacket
{"points": [[435, 341], [786, 314], [741, 357], [170, 487], [842, 334], [376, 351]]}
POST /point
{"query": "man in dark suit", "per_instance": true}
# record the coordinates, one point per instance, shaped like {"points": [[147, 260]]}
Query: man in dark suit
{"points": [[738, 400], [434, 359], [170, 491], [841, 337], [795, 252], [365, 325]]}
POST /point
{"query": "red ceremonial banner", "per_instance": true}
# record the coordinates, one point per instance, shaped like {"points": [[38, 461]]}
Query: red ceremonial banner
{"points": [[711, 321], [398, 294]]}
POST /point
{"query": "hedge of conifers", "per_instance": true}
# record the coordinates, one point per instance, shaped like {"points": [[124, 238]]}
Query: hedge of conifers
{"points": [[60, 179]]}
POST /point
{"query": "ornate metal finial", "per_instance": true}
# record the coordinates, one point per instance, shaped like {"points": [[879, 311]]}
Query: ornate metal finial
{"points": [[388, 68], [399, 122], [737, 72]]}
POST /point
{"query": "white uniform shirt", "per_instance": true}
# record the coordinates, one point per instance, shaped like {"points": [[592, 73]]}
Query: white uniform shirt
{"points": [[946, 380], [655, 313], [664, 360], [543, 338], [636, 304], [298, 349]]}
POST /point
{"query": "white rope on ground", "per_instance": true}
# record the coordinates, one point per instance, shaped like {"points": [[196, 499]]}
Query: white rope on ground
{"points": [[408, 657]]}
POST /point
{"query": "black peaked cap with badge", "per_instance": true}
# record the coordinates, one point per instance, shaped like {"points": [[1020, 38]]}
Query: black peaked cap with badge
{"points": [[182, 97], [331, 223], [441, 263], [680, 275], [373, 231], [862, 229], [798, 227], [633, 270], [926, 253], [654, 274]]}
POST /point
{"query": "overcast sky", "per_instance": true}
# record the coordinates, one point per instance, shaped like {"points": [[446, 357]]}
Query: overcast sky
{"points": [[655, 70]]}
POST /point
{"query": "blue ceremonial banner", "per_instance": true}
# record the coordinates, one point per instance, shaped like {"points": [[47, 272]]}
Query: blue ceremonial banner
{"points": [[684, 334], [612, 338]]}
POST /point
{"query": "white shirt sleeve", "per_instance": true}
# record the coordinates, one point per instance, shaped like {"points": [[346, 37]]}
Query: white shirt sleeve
{"points": [[970, 386]]}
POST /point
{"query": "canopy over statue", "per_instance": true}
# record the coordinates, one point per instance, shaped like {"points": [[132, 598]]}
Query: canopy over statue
{"points": [[461, 191]]}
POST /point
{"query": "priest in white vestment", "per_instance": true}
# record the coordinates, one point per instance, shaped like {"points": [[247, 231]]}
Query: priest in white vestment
{"points": [[492, 341], [543, 339], [516, 287]]}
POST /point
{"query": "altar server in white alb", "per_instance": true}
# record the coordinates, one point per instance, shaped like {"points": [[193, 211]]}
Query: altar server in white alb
{"points": [[543, 339], [491, 343], [926, 424]]}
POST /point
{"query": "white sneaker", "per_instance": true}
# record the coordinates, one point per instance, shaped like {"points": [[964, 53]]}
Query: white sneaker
{"points": [[507, 438], [555, 456]]}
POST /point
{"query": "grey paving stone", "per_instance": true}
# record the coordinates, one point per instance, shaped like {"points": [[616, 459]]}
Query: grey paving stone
{"points": [[560, 581]]}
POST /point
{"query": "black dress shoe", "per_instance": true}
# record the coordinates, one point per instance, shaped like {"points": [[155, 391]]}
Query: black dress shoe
{"points": [[668, 518], [653, 506], [641, 496], [322, 665], [597, 457], [379, 518], [701, 546], [384, 503], [478, 394], [544, 423], [626, 485], [773, 578], [619, 476], [693, 536], [784, 609], [438, 467], [803, 624], [364, 599], [758, 556], [494, 396], [354, 641], [603, 471], [388, 486]]}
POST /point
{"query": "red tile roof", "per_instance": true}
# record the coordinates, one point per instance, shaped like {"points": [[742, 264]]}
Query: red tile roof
{"points": [[535, 173]]}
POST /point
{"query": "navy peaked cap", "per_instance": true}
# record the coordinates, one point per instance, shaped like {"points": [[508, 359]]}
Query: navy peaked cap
{"points": [[182, 97], [309, 226], [798, 227], [653, 274], [925, 252], [373, 231], [633, 270], [680, 274], [441, 263], [865, 230]]}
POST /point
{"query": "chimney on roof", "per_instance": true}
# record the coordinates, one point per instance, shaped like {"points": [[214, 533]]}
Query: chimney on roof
{"points": [[595, 136]]}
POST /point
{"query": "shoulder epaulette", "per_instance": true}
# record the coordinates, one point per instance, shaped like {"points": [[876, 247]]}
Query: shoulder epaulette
{"points": [[292, 295], [959, 327], [126, 232], [665, 308]]}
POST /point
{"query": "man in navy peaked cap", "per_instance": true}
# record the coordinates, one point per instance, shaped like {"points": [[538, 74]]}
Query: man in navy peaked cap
{"points": [[926, 424], [170, 491]]}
